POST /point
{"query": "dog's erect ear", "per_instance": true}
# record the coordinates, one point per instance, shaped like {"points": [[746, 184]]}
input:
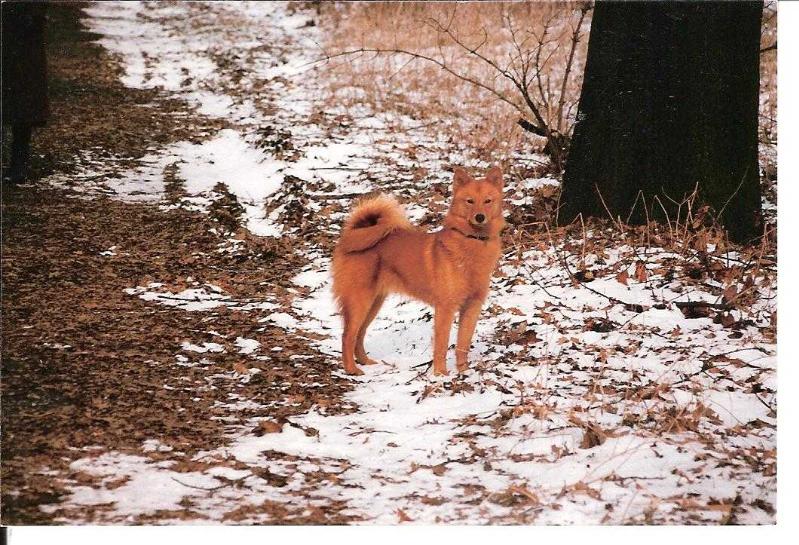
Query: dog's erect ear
{"points": [[460, 177], [494, 177]]}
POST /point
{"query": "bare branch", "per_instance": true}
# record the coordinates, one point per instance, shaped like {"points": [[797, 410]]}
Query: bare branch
{"points": [[441, 64], [473, 50], [772, 47], [526, 125], [569, 63]]}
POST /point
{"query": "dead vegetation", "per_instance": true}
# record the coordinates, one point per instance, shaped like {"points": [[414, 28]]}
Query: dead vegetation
{"points": [[496, 67]]}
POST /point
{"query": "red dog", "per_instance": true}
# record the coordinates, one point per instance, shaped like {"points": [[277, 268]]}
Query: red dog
{"points": [[380, 253]]}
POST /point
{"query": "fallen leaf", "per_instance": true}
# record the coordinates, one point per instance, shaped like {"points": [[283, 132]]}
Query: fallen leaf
{"points": [[526, 492], [268, 426], [729, 294], [641, 273]]}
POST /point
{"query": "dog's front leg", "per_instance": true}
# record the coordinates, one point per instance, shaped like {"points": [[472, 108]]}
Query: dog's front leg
{"points": [[443, 325], [470, 312]]}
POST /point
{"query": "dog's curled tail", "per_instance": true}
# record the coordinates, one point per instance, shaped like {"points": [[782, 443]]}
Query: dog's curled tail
{"points": [[371, 221]]}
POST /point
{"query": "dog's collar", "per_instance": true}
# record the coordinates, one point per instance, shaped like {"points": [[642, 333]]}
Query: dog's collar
{"points": [[476, 237]]}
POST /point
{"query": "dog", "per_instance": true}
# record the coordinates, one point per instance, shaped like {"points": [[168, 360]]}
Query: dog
{"points": [[380, 253]]}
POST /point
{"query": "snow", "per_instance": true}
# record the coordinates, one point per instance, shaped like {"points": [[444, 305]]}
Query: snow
{"points": [[198, 299], [247, 346], [230, 160], [206, 347], [149, 487], [193, 299]]}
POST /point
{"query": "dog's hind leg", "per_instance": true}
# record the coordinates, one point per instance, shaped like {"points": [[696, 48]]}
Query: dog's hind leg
{"points": [[355, 308], [360, 352]]}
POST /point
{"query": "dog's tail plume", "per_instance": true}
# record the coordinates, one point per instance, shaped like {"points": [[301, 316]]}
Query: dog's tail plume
{"points": [[371, 221]]}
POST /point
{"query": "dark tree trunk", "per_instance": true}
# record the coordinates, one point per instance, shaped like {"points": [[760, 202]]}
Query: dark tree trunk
{"points": [[669, 102], [24, 67]]}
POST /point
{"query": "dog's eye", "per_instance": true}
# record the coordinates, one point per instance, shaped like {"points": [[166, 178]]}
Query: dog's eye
{"points": [[470, 201], [488, 201]]}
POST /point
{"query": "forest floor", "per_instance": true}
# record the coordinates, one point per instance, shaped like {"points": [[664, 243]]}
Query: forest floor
{"points": [[170, 345]]}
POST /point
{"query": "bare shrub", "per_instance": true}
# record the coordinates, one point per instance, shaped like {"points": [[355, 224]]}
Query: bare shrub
{"points": [[494, 64]]}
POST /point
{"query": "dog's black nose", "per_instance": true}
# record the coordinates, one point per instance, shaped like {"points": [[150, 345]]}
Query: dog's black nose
{"points": [[479, 218]]}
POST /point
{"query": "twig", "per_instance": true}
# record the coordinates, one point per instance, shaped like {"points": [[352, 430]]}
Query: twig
{"points": [[223, 485], [772, 47], [426, 365], [701, 304], [335, 195], [589, 288]]}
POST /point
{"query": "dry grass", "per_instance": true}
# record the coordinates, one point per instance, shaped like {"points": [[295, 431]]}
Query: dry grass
{"points": [[422, 90]]}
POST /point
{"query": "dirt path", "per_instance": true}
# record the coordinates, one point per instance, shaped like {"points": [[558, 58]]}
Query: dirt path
{"points": [[89, 369], [185, 366]]}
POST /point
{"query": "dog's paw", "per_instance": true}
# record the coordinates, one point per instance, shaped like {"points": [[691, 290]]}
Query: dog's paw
{"points": [[355, 370], [366, 360], [440, 372]]}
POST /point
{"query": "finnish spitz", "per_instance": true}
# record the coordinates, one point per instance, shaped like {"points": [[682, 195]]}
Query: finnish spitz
{"points": [[380, 253]]}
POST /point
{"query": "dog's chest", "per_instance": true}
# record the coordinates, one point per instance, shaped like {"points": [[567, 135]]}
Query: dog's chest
{"points": [[471, 262]]}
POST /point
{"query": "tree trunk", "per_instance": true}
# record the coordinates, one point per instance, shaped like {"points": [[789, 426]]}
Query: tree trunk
{"points": [[669, 103]]}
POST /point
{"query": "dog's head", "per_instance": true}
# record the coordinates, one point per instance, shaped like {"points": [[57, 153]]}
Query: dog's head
{"points": [[477, 201]]}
